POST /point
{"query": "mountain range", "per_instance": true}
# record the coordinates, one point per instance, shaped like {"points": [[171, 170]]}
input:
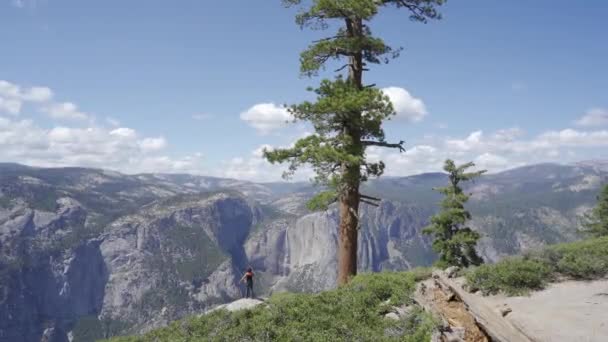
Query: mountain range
{"points": [[88, 253]]}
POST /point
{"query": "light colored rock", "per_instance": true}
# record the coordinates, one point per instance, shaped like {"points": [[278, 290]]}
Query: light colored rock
{"points": [[567, 311], [392, 315], [451, 271], [241, 304], [404, 310], [505, 310], [455, 334]]}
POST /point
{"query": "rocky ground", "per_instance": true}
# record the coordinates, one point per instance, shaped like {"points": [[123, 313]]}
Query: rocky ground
{"points": [[565, 311]]}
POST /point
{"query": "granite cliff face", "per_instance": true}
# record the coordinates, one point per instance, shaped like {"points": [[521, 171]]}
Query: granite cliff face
{"points": [[301, 254], [175, 256], [45, 286], [87, 253]]}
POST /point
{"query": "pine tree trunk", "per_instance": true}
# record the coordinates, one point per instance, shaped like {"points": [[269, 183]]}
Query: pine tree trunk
{"points": [[348, 238], [349, 199]]}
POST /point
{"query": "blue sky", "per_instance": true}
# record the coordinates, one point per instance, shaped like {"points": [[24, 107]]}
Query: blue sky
{"points": [[176, 86]]}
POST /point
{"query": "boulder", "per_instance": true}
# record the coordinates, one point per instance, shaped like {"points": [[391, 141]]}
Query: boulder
{"points": [[452, 271], [241, 304], [392, 315]]}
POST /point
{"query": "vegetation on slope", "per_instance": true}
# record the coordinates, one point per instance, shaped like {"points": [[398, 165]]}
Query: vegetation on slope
{"points": [[596, 222], [582, 260], [353, 312]]}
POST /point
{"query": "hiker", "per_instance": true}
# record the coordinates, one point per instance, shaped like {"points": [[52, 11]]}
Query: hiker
{"points": [[248, 277]]}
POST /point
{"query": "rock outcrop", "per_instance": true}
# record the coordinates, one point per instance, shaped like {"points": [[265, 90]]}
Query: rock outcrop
{"points": [[46, 288]]}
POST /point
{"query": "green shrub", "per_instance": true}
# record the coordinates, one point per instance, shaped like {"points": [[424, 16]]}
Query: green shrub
{"points": [[351, 313], [587, 259], [513, 276], [421, 273]]}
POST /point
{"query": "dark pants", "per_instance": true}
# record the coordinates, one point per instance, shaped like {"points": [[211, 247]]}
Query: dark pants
{"points": [[249, 291]]}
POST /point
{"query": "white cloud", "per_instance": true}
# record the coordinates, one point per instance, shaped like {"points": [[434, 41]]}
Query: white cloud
{"points": [[124, 132], [255, 167], [124, 149], [13, 96], [490, 161], [470, 142], [9, 90], [259, 152], [188, 164], [65, 110], [112, 121], [572, 138], [10, 106], [37, 94], [406, 106], [153, 144], [266, 117], [22, 136], [594, 117], [117, 149], [495, 151], [508, 135]]}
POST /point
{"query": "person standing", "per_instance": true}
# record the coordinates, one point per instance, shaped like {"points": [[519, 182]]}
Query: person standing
{"points": [[248, 278]]}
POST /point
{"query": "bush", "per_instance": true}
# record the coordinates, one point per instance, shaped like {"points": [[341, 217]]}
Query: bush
{"points": [[353, 312], [586, 260], [514, 276]]}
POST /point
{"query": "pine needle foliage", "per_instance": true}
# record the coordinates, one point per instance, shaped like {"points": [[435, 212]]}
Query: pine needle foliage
{"points": [[453, 240]]}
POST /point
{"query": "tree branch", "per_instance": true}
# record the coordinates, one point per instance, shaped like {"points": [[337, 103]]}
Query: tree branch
{"points": [[342, 67], [370, 203], [328, 38], [370, 197], [398, 145]]}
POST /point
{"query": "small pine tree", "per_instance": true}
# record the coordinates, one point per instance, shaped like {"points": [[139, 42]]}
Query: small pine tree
{"points": [[454, 241], [595, 223]]}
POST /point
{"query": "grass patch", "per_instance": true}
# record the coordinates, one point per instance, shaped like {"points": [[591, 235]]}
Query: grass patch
{"points": [[581, 260], [351, 313]]}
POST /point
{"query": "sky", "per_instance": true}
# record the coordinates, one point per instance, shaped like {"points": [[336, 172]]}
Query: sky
{"points": [[198, 86]]}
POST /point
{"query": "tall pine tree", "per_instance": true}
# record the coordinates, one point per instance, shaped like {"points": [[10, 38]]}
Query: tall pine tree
{"points": [[596, 222], [347, 115], [453, 240]]}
